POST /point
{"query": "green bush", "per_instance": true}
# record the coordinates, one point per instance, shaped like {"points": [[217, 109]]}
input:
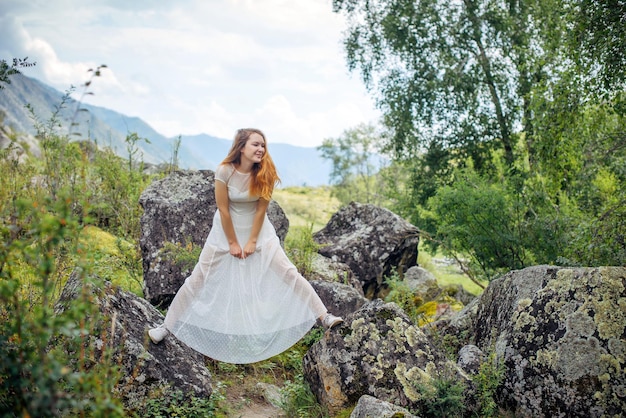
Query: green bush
{"points": [[487, 381], [402, 295], [481, 220], [299, 401], [46, 369], [47, 366], [442, 396], [184, 255], [176, 404]]}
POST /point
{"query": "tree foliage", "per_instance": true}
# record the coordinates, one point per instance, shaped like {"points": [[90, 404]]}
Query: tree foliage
{"points": [[453, 73], [598, 40], [525, 96], [355, 162]]}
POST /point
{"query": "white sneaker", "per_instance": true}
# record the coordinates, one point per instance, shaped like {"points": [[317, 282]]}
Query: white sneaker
{"points": [[158, 334], [331, 320]]}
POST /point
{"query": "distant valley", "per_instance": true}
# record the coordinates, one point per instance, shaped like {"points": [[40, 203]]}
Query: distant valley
{"points": [[296, 165]]}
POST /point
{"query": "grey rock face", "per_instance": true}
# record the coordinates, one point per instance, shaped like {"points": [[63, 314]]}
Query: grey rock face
{"points": [[179, 209], [19, 145], [422, 282], [339, 298], [327, 270], [371, 241], [146, 368], [561, 333], [377, 351], [470, 359], [370, 407]]}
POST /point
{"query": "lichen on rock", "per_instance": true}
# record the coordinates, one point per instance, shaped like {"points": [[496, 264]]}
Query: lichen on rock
{"points": [[385, 355], [563, 343]]}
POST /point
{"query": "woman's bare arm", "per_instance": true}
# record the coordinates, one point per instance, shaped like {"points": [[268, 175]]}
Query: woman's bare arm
{"points": [[259, 216], [221, 198]]}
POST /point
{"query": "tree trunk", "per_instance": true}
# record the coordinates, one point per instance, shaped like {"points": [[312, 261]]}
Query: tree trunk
{"points": [[485, 64]]}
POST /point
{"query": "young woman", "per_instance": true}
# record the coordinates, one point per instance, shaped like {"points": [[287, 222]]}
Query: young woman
{"points": [[244, 301]]}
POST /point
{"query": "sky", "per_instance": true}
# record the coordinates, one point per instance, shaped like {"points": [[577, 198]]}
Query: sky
{"points": [[197, 66]]}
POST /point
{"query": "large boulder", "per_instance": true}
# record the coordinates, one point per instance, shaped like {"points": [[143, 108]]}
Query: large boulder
{"points": [[372, 241], [377, 351], [148, 370], [340, 299], [327, 270], [179, 210], [561, 333]]}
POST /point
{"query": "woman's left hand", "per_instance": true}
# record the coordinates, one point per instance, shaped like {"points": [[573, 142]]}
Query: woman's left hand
{"points": [[249, 249]]}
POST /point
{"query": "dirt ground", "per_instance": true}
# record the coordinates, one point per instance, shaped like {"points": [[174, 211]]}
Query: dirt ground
{"points": [[259, 410], [244, 400]]}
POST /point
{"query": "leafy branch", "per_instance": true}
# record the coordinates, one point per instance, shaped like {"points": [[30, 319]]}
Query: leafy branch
{"points": [[7, 70]]}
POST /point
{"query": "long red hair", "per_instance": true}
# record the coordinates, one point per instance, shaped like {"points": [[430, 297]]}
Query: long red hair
{"points": [[264, 175]]}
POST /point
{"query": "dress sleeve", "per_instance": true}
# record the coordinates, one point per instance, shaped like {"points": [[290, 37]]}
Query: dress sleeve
{"points": [[223, 172]]}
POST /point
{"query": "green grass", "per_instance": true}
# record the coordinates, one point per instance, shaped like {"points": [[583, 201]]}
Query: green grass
{"points": [[113, 259], [307, 205], [447, 275]]}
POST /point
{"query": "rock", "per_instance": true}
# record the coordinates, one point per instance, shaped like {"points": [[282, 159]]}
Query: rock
{"points": [[372, 241], [470, 359], [18, 146], [458, 329], [370, 407], [179, 209], [422, 282], [271, 393], [147, 369], [327, 270], [339, 298], [561, 333], [377, 351]]}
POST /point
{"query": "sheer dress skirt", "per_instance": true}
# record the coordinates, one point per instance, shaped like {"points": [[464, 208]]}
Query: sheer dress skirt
{"points": [[243, 311]]}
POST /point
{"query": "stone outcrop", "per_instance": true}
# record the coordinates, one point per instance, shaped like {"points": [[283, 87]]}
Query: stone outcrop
{"points": [[561, 334], [327, 270], [372, 241], [18, 146], [370, 407], [339, 298], [377, 351], [147, 369], [179, 210]]}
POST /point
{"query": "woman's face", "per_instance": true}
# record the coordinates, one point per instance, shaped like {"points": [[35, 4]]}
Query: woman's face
{"points": [[254, 149]]}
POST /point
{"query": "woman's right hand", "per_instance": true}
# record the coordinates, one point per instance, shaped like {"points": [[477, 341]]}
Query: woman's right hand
{"points": [[235, 250]]}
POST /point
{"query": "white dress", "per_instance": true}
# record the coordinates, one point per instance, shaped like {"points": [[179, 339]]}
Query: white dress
{"points": [[242, 311]]}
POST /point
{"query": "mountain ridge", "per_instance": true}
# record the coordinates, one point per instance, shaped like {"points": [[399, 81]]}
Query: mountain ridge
{"points": [[297, 166]]}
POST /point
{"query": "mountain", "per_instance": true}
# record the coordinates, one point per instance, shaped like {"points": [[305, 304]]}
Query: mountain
{"points": [[296, 165]]}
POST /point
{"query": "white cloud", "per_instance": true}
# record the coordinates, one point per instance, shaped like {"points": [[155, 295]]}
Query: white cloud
{"points": [[197, 66]]}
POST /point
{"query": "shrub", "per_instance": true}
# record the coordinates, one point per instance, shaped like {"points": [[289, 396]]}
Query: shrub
{"points": [[176, 404], [487, 381], [43, 369], [442, 396], [299, 401]]}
